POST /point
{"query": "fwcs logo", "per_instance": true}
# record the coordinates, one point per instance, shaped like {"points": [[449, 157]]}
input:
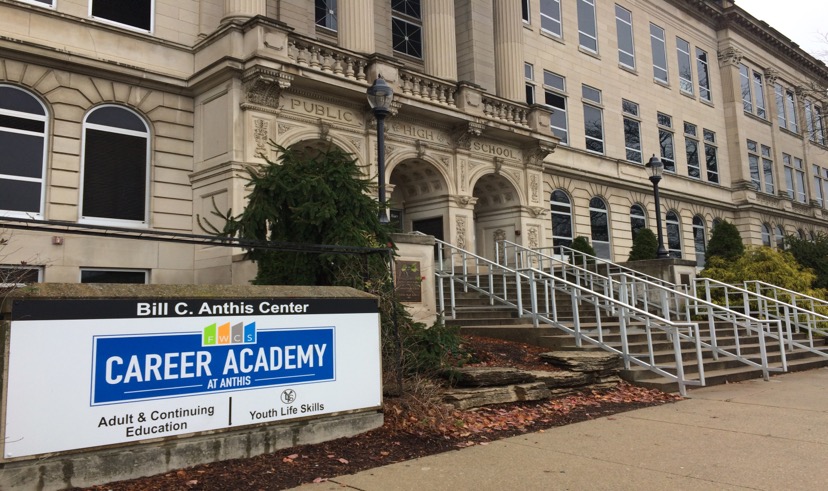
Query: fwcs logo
{"points": [[224, 334]]}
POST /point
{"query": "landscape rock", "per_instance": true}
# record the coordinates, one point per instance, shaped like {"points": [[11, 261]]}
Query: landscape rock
{"points": [[598, 362], [488, 376], [483, 396], [562, 378]]}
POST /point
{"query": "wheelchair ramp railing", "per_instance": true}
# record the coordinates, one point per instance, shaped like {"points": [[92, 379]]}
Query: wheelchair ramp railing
{"points": [[535, 295]]}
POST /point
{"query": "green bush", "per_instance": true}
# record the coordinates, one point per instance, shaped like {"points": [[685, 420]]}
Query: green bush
{"points": [[725, 242], [764, 264], [645, 246], [581, 244], [812, 254]]}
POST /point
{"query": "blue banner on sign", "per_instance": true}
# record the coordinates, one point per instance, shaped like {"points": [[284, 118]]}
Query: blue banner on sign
{"points": [[130, 368]]}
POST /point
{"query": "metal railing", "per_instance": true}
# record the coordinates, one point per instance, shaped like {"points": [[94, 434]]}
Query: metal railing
{"points": [[533, 293]]}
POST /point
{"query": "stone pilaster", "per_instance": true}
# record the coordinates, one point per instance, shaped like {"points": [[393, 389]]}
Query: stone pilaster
{"points": [[355, 33], [508, 45], [439, 39], [243, 9]]}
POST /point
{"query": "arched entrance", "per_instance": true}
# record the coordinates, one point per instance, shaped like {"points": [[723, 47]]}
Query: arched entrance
{"points": [[418, 198], [496, 213]]}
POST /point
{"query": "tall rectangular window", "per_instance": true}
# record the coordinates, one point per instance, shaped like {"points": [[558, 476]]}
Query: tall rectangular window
{"points": [[632, 131], [524, 10], [529, 75], [407, 27], [759, 94], [761, 167], [326, 14], [587, 29], [747, 100], [704, 74], [711, 156], [753, 164], [550, 13], [593, 119], [555, 88], [691, 148], [137, 14], [659, 48], [767, 169], [665, 140], [780, 105], [626, 46], [790, 110], [795, 178], [820, 185], [787, 161], [809, 120], [819, 128], [684, 65]]}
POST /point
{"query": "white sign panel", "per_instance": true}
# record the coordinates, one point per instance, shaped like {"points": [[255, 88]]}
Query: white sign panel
{"points": [[85, 373]]}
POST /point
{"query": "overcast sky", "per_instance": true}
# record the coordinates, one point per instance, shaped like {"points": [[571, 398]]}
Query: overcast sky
{"points": [[800, 20]]}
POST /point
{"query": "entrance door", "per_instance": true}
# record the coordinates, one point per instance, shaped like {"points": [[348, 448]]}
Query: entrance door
{"points": [[430, 226]]}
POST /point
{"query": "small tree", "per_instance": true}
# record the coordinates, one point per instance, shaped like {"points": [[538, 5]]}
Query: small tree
{"points": [[725, 242], [645, 245], [811, 254], [761, 263], [581, 244]]}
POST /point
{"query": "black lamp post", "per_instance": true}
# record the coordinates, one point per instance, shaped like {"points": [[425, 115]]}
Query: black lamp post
{"points": [[380, 95], [656, 168]]}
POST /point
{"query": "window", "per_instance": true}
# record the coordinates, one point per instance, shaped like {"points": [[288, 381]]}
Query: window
{"points": [[813, 122], [550, 13], [659, 48], [137, 14], [673, 235], [759, 94], [691, 150], [761, 177], [638, 220], [779, 93], [699, 243], [529, 74], [593, 120], [780, 238], [23, 128], [561, 218], [711, 156], [626, 46], [524, 11], [632, 131], [766, 235], [802, 235], [599, 225], [555, 88], [747, 100], [45, 3], [795, 178], [326, 14], [820, 186], [91, 275], [704, 74], [665, 140], [819, 129], [115, 175], [790, 110], [587, 31], [406, 27], [684, 65], [13, 275]]}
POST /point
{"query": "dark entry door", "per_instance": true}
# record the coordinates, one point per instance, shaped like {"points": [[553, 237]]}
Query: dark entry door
{"points": [[430, 226]]}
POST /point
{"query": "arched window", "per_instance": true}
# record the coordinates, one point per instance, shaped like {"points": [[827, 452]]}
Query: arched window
{"points": [[766, 235], [673, 234], [716, 221], [599, 224], [699, 242], [780, 238], [561, 219], [813, 235], [802, 235], [115, 167], [638, 219], [23, 128]]}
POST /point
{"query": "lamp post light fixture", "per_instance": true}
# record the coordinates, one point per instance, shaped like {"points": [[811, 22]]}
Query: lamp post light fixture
{"points": [[656, 168], [380, 95]]}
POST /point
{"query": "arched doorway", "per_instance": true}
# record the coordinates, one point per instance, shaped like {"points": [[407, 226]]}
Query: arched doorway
{"points": [[496, 213], [418, 198]]}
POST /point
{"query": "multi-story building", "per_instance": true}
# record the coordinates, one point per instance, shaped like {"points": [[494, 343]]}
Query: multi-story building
{"points": [[517, 119]]}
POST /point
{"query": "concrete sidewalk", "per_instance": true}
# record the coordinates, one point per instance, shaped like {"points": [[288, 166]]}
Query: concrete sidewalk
{"points": [[751, 435]]}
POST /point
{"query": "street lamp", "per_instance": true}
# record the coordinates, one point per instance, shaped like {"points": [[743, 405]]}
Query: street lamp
{"points": [[656, 168], [380, 95]]}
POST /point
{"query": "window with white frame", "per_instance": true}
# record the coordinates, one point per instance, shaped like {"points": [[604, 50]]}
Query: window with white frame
{"points": [[326, 14], [100, 275], [15, 275], [813, 122], [632, 131], [795, 178], [44, 3], [529, 75], [407, 27], [599, 227], [587, 29], [638, 219], [659, 50], [747, 98], [624, 28], [759, 95], [23, 129], [761, 167], [673, 234], [550, 13], [711, 156], [561, 218], [820, 175], [685, 66], [137, 14], [555, 90], [115, 173], [819, 127], [665, 142], [524, 11], [766, 235], [691, 150], [593, 119], [790, 111], [779, 95], [703, 69], [780, 238], [699, 242]]}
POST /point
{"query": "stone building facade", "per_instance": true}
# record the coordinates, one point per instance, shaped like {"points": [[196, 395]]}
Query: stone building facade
{"points": [[516, 119]]}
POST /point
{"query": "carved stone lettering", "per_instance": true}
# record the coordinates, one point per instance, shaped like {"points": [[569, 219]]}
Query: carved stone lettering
{"points": [[321, 110]]}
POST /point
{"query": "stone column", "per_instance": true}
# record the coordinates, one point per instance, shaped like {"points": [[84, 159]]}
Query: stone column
{"points": [[508, 46], [356, 25], [243, 9], [439, 39]]}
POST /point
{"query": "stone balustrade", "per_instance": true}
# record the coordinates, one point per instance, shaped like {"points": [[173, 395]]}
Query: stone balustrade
{"points": [[325, 58], [496, 108], [431, 89]]}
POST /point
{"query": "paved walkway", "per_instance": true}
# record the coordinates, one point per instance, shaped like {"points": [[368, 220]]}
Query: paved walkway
{"points": [[751, 435]]}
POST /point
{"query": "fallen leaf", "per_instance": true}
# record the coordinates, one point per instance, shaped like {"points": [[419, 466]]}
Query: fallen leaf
{"points": [[344, 461]]}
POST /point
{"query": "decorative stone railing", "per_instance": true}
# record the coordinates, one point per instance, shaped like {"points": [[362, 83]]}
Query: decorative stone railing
{"points": [[424, 87], [327, 59], [504, 110]]}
